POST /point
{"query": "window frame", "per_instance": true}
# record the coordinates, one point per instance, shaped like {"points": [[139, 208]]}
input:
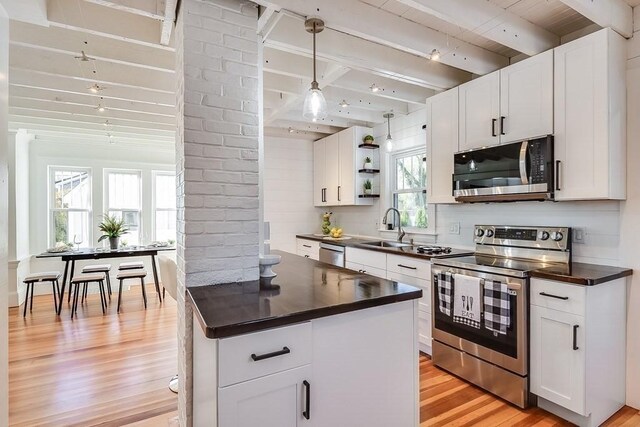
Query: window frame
{"points": [[52, 169], [154, 206], [393, 186], [105, 195]]}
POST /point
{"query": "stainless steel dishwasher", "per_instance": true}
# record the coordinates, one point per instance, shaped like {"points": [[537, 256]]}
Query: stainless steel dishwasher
{"points": [[332, 254]]}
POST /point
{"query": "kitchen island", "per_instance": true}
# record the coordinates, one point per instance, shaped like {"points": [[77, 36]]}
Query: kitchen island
{"points": [[317, 345]]}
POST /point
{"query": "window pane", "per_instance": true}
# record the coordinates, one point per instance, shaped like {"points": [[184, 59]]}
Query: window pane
{"points": [[413, 209], [165, 191], [68, 224], [124, 190], [411, 172], [166, 225], [132, 221], [71, 189]]}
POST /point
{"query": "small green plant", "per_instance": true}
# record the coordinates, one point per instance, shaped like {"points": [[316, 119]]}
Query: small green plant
{"points": [[367, 159], [367, 185], [368, 139], [112, 227], [171, 242]]}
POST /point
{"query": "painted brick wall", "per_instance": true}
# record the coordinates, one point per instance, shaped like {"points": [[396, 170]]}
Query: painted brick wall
{"points": [[217, 156]]}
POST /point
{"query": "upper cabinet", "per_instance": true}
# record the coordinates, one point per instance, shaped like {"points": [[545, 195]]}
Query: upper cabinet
{"points": [[442, 143], [508, 105], [590, 117], [337, 161]]}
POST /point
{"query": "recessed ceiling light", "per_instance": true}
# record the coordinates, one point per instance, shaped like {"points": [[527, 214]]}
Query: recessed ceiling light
{"points": [[374, 88], [435, 55], [344, 103]]}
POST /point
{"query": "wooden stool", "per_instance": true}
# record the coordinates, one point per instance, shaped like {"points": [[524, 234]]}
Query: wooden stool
{"points": [[32, 279], [100, 268], [134, 265], [132, 274], [85, 279]]}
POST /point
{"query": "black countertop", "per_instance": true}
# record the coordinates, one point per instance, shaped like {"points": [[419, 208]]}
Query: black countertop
{"points": [[410, 251], [303, 290], [582, 274]]}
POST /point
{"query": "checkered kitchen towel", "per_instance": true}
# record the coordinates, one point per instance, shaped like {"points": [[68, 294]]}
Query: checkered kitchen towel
{"points": [[497, 306], [444, 286]]}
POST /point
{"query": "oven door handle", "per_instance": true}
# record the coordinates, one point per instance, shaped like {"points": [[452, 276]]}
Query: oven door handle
{"points": [[523, 162]]}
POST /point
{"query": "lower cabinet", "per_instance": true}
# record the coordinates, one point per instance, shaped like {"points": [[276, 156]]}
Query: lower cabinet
{"points": [[308, 248], [361, 268]]}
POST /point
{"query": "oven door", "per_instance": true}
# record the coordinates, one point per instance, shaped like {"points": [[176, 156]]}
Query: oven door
{"points": [[509, 350]]}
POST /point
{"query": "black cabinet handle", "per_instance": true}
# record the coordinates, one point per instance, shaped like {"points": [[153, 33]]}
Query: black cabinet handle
{"points": [[407, 266], [307, 411], [285, 350], [338, 193], [493, 127], [558, 175], [575, 337], [544, 294], [502, 125], [306, 256], [307, 246]]}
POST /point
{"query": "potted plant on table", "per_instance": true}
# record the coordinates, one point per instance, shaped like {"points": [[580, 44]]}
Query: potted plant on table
{"points": [[367, 187], [367, 163], [368, 139], [112, 229]]}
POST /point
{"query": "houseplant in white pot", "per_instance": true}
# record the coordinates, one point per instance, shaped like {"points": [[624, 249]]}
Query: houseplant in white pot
{"points": [[368, 139], [112, 229], [367, 187], [367, 163]]}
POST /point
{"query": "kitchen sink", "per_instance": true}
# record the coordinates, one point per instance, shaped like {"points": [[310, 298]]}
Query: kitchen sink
{"points": [[386, 244]]}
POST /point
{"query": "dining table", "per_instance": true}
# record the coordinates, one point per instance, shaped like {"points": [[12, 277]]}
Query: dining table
{"points": [[70, 257]]}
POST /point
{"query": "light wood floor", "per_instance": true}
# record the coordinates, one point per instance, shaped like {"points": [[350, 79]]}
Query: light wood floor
{"points": [[114, 370]]}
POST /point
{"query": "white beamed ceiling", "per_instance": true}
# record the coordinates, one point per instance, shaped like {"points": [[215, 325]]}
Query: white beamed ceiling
{"points": [[133, 45]]}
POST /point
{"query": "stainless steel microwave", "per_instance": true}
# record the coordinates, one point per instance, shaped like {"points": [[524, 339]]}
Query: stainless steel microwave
{"points": [[503, 173]]}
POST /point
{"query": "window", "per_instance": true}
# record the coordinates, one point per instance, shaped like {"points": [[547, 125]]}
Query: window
{"points": [[164, 206], [409, 185], [123, 200], [69, 205]]}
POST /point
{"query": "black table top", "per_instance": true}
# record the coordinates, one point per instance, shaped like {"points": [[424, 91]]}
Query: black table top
{"points": [[303, 290], [92, 253]]}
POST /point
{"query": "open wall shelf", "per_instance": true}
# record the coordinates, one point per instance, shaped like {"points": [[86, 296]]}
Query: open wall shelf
{"points": [[368, 196], [369, 146], [369, 171]]}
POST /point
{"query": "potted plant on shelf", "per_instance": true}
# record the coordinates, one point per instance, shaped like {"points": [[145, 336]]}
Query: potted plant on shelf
{"points": [[112, 229], [367, 187], [368, 139], [367, 163]]}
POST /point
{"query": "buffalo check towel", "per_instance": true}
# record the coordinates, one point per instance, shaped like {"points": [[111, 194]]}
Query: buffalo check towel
{"points": [[444, 283], [497, 307], [467, 300]]}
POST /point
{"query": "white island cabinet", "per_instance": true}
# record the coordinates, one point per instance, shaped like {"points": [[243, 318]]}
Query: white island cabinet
{"points": [[350, 369]]}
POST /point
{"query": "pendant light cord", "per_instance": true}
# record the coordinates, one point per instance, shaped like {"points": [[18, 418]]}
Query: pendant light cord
{"points": [[389, 127], [314, 52]]}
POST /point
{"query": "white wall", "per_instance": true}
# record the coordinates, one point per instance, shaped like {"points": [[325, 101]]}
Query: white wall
{"points": [[288, 195]]}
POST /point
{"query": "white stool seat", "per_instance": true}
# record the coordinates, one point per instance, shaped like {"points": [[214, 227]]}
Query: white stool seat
{"points": [[97, 268], [46, 276], [130, 265], [82, 278], [130, 274]]}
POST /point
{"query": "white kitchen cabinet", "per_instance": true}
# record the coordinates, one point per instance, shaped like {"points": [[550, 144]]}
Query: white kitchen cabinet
{"points": [[590, 117], [442, 144], [424, 308], [526, 99], [479, 112], [361, 268], [308, 248], [336, 161], [578, 349]]}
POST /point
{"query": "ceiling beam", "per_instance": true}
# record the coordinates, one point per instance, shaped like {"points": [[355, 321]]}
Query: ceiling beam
{"points": [[278, 132], [339, 122], [306, 127], [168, 21], [148, 8], [614, 14], [361, 81], [32, 11], [267, 21], [106, 22], [355, 52], [380, 26], [490, 21]]}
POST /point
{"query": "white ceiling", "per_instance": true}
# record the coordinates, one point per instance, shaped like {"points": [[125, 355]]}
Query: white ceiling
{"points": [[367, 42]]}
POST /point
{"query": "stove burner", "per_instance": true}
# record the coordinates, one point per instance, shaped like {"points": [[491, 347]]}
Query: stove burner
{"points": [[433, 250]]}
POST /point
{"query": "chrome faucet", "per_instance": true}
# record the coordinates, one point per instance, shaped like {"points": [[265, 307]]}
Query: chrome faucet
{"points": [[401, 232]]}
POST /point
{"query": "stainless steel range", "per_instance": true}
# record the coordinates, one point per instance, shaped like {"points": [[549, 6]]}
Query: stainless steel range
{"points": [[481, 305]]}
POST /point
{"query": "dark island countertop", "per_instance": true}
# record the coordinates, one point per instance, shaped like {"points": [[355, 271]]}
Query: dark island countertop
{"points": [[357, 242], [303, 290], [582, 274]]}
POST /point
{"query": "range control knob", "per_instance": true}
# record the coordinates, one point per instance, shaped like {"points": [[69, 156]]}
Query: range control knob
{"points": [[543, 235], [479, 232], [557, 236], [489, 233]]}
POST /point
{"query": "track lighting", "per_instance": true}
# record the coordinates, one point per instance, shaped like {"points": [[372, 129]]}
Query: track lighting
{"points": [[344, 103], [435, 55], [374, 88]]}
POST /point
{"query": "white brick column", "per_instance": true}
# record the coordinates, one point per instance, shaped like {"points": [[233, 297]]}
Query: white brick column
{"points": [[216, 156]]}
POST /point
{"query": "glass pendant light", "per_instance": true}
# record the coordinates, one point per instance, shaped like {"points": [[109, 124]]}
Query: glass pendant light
{"points": [[389, 142], [315, 106]]}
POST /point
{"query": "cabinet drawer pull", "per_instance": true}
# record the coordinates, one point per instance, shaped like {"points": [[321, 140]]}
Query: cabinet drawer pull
{"points": [[307, 411], [544, 294], [407, 266], [285, 350], [493, 127], [575, 337], [307, 246], [558, 162], [364, 271], [306, 256], [502, 132], [338, 193]]}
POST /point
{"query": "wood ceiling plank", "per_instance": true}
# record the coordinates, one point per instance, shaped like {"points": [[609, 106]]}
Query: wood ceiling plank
{"points": [[614, 14]]}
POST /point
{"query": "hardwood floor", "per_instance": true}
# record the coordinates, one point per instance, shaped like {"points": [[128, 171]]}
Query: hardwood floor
{"points": [[113, 370]]}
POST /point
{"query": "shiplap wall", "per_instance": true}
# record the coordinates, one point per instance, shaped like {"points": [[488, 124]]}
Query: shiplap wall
{"points": [[288, 195]]}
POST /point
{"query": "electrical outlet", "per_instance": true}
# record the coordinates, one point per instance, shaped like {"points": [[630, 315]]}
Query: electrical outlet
{"points": [[454, 228], [579, 234]]}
